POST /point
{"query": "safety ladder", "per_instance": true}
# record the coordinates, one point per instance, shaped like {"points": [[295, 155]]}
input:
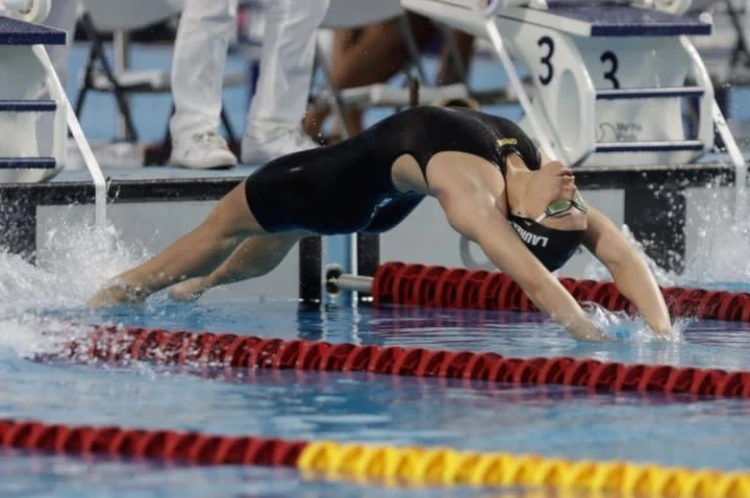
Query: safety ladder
{"points": [[608, 78], [25, 69]]}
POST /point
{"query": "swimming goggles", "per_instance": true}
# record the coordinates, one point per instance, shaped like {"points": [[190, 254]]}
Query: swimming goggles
{"points": [[561, 206]]}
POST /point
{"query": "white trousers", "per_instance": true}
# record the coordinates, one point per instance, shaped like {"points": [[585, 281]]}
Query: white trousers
{"points": [[286, 63], [205, 30], [200, 51]]}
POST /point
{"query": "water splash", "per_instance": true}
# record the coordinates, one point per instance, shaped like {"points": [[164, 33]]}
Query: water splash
{"points": [[717, 245], [77, 259], [720, 252], [622, 327]]}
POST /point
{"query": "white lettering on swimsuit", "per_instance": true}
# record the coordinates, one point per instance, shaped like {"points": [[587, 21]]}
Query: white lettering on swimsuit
{"points": [[530, 238]]}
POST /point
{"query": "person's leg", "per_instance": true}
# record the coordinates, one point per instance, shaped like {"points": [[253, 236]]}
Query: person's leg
{"points": [[196, 253], [274, 122], [447, 72], [343, 41], [255, 257], [375, 57], [200, 51]]}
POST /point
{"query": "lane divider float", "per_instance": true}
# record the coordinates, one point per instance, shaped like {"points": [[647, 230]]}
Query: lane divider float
{"points": [[413, 466], [441, 287], [161, 347]]}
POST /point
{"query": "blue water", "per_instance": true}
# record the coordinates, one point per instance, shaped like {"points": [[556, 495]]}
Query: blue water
{"points": [[551, 421]]}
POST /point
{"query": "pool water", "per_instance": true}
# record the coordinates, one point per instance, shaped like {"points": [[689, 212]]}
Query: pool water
{"points": [[548, 420]]}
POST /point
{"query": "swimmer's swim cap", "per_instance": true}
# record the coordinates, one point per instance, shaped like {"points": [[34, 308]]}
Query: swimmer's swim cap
{"points": [[553, 248]]}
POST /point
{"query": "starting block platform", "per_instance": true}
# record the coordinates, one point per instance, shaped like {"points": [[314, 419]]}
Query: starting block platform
{"points": [[15, 32], [606, 20], [24, 68], [610, 79]]}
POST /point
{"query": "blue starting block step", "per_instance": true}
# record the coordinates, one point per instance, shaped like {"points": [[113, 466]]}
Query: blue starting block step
{"points": [[27, 163], [28, 105], [15, 32], [606, 19], [649, 93], [678, 146]]}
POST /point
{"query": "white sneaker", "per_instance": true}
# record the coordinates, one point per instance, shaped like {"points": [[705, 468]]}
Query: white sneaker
{"points": [[202, 151], [260, 146]]}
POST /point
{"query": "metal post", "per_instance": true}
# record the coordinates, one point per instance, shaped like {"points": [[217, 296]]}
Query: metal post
{"points": [[121, 49], [336, 281], [310, 255]]}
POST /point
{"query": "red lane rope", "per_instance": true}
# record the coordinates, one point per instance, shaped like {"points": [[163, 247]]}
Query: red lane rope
{"points": [[437, 286], [167, 445], [113, 344]]}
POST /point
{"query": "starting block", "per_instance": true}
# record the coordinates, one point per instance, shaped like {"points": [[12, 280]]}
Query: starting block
{"points": [[609, 78], [22, 78], [25, 71]]}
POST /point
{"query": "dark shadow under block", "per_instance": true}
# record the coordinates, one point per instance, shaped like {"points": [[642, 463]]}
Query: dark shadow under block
{"points": [[656, 218]]}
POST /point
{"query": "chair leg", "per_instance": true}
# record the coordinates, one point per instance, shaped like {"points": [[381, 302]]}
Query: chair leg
{"points": [[338, 102], [412, 48], [231, 135], [97, 47], [162, 153], [455, 56], [87, 83]]}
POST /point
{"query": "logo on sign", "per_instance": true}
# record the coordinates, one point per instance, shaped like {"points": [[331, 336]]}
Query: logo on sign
{"points": [[618, 132]]}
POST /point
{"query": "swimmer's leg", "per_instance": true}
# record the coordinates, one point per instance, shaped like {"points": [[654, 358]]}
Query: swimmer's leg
{"points": [[196, 253], [255, 257]]}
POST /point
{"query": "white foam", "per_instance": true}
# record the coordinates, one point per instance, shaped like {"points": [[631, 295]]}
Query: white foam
{"points": [[719, 251], [80, 258], [620, 326]]}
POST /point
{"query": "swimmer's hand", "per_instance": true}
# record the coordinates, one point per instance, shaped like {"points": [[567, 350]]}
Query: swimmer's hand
{"points": [[620, 326], [589, 331]]}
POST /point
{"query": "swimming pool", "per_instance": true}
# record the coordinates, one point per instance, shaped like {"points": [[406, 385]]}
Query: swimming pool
{"points": [[552, 421]]}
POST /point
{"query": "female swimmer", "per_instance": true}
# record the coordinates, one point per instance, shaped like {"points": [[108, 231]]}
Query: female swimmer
{"points": [[493, 184]]}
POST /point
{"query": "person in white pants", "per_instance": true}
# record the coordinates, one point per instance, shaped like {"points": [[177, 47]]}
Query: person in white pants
{"points": [[278, 106]]}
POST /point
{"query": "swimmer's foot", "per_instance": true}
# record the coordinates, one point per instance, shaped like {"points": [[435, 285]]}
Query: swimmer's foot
{"points": [[116, 294], [188, 290]]}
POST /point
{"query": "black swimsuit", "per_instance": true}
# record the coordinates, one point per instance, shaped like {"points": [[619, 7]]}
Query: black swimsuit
{"points": [[347, 187]]}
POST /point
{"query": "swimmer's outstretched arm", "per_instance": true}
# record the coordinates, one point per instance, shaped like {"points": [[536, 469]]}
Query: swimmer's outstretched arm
{"points": [[472, 212], [629, 271]]}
